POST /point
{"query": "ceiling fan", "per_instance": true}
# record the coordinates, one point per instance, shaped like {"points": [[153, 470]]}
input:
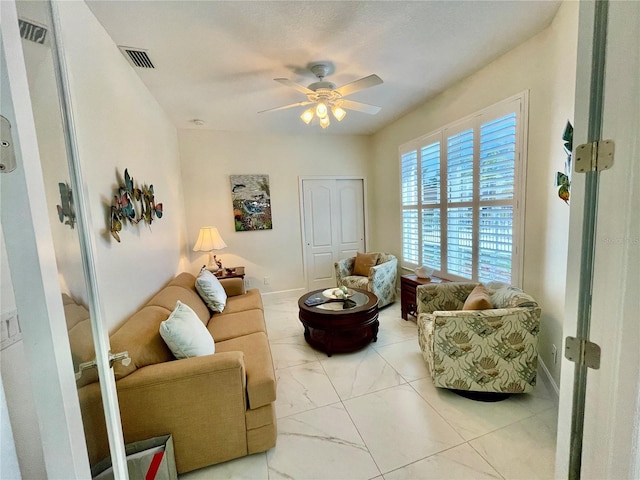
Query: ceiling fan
{"points": [[325, 97]]}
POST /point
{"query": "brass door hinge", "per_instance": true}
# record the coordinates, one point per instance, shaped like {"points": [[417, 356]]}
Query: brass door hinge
{"points": [[595, 156]]}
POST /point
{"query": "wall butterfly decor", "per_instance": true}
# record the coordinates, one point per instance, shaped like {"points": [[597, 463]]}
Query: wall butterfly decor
{"points": [[132, 204]]}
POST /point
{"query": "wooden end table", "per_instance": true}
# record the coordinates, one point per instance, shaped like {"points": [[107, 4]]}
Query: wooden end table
{"points": [[332, 329], [236, 272], [408, 285]]}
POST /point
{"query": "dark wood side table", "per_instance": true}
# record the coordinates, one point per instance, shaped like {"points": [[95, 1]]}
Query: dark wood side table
{"points": [[340, 330], [408, 284], [236, 272]]}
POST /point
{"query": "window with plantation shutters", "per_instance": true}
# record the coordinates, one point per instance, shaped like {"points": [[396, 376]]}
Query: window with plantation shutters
{"points": [[409, 189], [463, 196]]}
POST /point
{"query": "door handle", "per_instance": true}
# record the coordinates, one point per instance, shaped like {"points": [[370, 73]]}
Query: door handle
{"points": [[122, 356]]}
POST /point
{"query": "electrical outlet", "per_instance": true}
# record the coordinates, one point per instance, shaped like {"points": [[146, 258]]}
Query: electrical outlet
{"points": [[247, 283], [554, 354], [10, 329], [266, 280]]}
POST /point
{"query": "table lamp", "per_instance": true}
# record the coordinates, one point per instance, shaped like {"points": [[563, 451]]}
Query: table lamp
{"points": [[209, 239]]}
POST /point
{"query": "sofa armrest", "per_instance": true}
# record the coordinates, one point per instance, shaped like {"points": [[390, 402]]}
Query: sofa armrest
{"points": [[184, 369], [387, 269], [233, 286], [176, 397], [344, 268], [205, 394], [382, 281]]}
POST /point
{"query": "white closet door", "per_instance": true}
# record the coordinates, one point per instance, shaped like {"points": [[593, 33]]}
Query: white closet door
{"points": [[333, 220]]}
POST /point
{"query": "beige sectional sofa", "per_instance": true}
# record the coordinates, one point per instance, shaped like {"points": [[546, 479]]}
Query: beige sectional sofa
{"points": [[217, 407]]}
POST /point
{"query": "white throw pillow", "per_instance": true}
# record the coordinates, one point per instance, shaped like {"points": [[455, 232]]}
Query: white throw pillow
{"points": [[185, 334], [211, 291]]}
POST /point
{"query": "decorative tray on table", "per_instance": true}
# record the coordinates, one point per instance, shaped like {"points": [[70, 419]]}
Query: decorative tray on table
{"points": [[337, 293]]}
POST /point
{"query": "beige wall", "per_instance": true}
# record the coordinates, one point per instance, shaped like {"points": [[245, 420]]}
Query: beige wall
{"points": [[120, 125], [544, 65], [208, 158]]}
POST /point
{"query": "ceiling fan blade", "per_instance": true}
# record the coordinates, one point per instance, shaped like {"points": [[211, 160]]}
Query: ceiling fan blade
{"points": [[360, 107], [366, 82], [291, 105], [297, 86]]}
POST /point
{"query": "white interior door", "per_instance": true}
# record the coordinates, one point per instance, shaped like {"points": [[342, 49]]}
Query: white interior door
{"points": [[350, 217], [44, 137], [610, 446], [333, 217], [31, 262]]}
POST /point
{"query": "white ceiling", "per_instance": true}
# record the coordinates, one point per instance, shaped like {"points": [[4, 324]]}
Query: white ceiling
{"points": [[216, 60]]}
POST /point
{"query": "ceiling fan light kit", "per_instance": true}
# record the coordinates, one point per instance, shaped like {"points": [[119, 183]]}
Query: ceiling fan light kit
{"points": [[324, 122], [321, 109], [307, 115], [338, 112], [323, 97]]}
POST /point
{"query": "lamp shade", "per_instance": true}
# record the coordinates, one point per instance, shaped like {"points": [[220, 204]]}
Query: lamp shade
{"points": [[209, 239]]}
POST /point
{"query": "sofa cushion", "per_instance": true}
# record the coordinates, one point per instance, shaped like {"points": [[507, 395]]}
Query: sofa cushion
{"points": [[82, 350], [140, 336], [185, 280], [73, 313], [185, 335], [211, 291], [80, 338], [233, 286], [259, 417], [355, 281], [364, 262], [168, 296], [66, 299], [261, 378], [231, 325], [249, 301], [478, 299]]}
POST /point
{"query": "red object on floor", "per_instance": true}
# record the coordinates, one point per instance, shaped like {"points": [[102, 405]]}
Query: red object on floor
{"points": [[155, 465]]}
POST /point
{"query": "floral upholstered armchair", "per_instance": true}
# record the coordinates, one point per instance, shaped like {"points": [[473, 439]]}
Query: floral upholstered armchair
{"points": [[491, 350], [380, 278]]}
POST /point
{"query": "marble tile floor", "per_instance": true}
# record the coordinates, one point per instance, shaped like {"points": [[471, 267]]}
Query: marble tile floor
{"points": [[375, 414]]}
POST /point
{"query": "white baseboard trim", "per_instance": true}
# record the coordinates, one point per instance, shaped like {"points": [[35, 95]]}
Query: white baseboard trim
{"points": [[547, 378], [282, 294]]}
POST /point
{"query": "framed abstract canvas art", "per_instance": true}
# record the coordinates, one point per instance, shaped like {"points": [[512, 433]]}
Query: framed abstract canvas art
{"points": [[251, 199]]}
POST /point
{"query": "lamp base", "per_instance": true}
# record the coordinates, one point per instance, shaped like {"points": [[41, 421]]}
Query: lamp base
{"points": [[215, 265]]}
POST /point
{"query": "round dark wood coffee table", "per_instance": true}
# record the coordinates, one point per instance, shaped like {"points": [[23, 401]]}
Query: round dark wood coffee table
{"points": [[331, 329]]}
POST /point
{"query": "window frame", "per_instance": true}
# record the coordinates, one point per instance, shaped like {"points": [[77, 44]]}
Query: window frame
{"points": [[517, 104]]}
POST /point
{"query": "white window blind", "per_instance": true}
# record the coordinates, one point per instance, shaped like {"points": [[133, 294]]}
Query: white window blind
{"points": [[462, 196], [496, 194], [460, 167], [409, 192]]}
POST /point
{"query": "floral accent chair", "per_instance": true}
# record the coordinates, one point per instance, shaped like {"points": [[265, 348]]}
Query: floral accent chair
{"points": [[381, 280], [494, 350]]}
